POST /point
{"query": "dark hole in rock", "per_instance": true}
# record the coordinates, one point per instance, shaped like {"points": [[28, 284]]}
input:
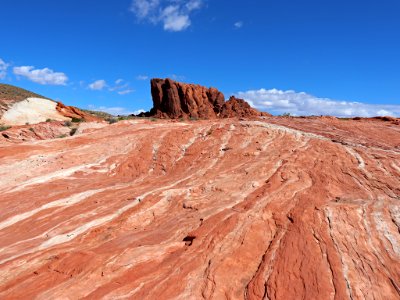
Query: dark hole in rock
{"points": [[227, 149], [189, 240]]}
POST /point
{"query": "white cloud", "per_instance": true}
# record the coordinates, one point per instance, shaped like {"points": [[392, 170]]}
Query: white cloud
{"points": [[238, 24], [126, 92], [174, 20], [136, 112], [42, 76], [98, 85], [193, 5], [121, 87], [3, 69], [278, 101], [118, 87], [173, 14], [142, 77], [115, 111], [144, 8], [177, 77]]}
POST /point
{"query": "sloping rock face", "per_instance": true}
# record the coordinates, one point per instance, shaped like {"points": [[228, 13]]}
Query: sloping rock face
{"points": [[34, 132], [19, 106], [174, 100], [73, 112], [217, 209], [10, 94]]}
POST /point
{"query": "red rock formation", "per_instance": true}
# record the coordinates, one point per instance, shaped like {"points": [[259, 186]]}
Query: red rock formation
{"points": [[73, 112], [235, 107], [34, 132], [174, 100], [46, 131], [218, 209]]}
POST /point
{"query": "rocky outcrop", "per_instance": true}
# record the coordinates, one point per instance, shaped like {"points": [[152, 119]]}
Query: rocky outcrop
{"points": [[235, 107], [10, 95], [174, 100], [74, 113], [19, 107]]}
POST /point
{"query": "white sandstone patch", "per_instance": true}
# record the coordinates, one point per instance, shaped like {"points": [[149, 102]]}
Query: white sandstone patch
{"points": [[32, 111]]}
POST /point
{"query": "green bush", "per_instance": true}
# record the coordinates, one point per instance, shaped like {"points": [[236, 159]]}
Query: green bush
{"points": [[112, 120], [48, 120], [122, 118], [62, 136], [68, 123], [4, 127], [77, 120]]}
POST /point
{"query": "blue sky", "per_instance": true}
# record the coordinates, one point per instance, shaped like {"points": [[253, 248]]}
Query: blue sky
{"points": [[304, 57]]}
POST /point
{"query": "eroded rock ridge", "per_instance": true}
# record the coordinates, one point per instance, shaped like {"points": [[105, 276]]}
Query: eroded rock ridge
{"points": [[172, 99]]}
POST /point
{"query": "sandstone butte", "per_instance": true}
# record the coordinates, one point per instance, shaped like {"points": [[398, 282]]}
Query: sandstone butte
{"points": [[267, 208], [172, 99]]}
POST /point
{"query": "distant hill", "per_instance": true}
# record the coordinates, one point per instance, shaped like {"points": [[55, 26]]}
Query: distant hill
{"points": [[19, 107], [15, 93], [100, 114]]}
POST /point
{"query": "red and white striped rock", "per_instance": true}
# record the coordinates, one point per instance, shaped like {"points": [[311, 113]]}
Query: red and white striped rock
{"points": [[283, 208]]}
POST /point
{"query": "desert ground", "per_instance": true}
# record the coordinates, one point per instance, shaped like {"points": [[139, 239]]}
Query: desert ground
{"points": [[273, 208]]}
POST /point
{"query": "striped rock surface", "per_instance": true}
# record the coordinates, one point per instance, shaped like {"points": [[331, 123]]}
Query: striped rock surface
{"points": [[279, 208]]}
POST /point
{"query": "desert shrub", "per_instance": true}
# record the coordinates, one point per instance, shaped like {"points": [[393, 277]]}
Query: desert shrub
{"points": [[68, 123], [49, 120], [62, 136], [286, 114], [99, 114], [153, 119], [112, 120], [4, 127], [31, 129], [121, 118], [77, 120]]}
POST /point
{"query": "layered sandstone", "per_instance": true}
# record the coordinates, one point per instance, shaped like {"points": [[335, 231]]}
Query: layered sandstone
{"points": [[172, 99], [20, 107], [285, 208]]}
